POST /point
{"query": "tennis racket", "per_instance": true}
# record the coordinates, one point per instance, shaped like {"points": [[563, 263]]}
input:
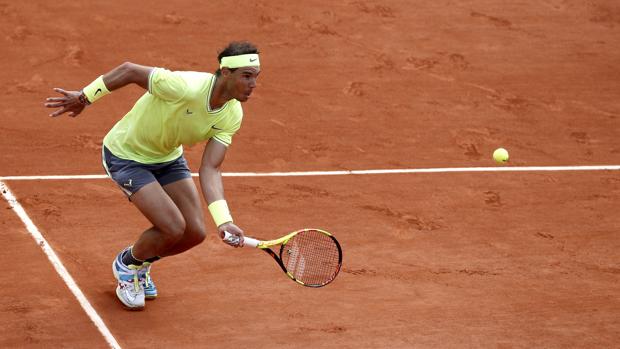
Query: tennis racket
{"points": [[310, 257]]}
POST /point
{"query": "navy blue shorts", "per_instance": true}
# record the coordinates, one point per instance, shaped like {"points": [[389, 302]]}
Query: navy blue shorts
{"points": [[131, 175]]}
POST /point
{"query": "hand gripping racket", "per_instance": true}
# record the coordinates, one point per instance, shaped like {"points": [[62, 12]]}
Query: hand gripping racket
{"points": [[311, 257]]}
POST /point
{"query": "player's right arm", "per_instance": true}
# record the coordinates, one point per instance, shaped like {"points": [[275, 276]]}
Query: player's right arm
{"points": [[74, 102]]}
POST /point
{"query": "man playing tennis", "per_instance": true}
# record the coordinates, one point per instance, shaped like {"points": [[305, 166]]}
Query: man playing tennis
{"points": [[143, 154]]}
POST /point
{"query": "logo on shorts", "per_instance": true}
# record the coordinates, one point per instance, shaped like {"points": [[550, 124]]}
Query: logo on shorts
{"points": [[128, 184], [187, 112]]}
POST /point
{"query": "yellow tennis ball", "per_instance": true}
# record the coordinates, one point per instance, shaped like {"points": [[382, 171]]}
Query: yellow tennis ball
{"points": [[500, 155]]}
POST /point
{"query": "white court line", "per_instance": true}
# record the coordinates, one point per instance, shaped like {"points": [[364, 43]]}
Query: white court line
{"points": [[354, 172], [60, 268]]}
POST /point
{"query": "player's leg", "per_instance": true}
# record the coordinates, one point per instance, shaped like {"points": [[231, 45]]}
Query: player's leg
{"points": [[168, 222], [175, 179], [187, 199], [139, 183], [168, 229]]}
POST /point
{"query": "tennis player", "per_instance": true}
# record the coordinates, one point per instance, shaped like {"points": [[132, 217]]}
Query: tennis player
{"points": [[143, 154]]}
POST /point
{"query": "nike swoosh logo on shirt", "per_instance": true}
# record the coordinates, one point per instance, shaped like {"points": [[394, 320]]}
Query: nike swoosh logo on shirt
{"points": [[189, 112], [216, 128]]}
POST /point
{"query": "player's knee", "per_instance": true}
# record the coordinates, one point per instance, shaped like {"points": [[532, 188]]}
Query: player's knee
{"points": [[173, 230], [196, 233]]}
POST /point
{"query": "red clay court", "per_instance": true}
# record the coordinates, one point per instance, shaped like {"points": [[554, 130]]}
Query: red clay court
{"points": [[469, 255]]}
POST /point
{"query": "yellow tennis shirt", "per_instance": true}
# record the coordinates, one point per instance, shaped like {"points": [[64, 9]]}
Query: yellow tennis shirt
{"points": [[175, 111]]}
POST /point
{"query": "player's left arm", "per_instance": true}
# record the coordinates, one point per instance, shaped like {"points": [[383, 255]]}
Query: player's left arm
{"points": [[213, 188]]}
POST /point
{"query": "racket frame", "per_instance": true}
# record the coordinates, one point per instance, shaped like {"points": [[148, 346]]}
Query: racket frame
{"points": [[267, 244]]}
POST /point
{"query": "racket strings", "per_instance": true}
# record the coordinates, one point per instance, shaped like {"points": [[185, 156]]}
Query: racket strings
{"points": [[312, 257]]}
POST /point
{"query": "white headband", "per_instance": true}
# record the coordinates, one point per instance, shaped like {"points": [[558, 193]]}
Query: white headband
{"points": [[247, 60]]}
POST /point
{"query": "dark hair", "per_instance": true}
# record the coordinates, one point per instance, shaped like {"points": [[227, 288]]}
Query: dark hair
{"points": [[236, 48]]}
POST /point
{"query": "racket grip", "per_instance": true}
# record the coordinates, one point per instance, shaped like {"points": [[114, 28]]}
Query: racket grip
{"points": [[247, 241]]}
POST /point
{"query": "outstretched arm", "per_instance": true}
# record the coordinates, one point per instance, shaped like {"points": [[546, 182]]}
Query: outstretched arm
{"points": [[213, 190], [74, 102]]}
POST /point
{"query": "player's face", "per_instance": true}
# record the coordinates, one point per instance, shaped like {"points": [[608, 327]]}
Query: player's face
{"points": [[243, 82]]}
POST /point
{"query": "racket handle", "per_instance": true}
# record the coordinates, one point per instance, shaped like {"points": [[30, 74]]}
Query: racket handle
{"points": [[247, 241]]}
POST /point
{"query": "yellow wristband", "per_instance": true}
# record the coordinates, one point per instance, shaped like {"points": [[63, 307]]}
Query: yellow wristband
{"points": [[219, 212], [95, 90]]}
